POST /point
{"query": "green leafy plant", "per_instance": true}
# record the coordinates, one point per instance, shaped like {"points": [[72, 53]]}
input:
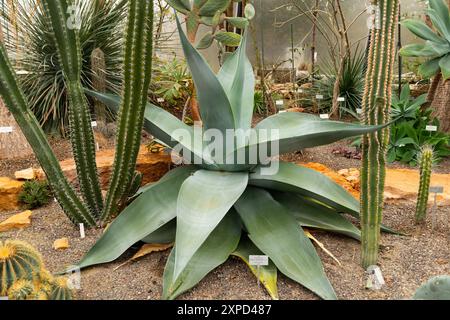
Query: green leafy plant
{"points": [[375, 111], [436, 48], [426, 164], [259, 106], [137, 61], [351, 85], [437, 288], [206, 206], [41, 75], [35, 194], [405, 107]]}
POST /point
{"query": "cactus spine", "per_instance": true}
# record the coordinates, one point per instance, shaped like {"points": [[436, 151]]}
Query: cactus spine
{"points": [[81, 134], [20, 290], [18, 261], [137, 74], [376, 108], [18, 106], [426, 163]]}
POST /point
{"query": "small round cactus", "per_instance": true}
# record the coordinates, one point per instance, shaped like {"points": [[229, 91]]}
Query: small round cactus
{"points": [[60, 289], [18, 261], [426, 164], [20, 290]]}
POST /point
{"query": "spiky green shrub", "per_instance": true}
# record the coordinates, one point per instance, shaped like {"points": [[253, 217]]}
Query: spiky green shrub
{"points": [[376, 111], [34, 50], [259, 107], [216, 200], [35, 194], [20, 290], [18, 261], [437, 288], [426, 164], [436, 48]]}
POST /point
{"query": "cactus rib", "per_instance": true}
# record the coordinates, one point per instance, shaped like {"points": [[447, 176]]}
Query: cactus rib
{"points": [[81, 134], [426, 164], [18, 106], [137, 74], [376, 105]]}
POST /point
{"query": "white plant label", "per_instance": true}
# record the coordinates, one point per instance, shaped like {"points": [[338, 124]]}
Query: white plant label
{"points": [[4, 298], [82, 234], [341, 99], [279, 103], [315, 56], [260, 260], [6, 129], [375, 280], [299, 90], [282, 111], [437, 189], [431, 128], [319, 97], [160, 100], [325, 116], [97, 146], [55, 200], [359, 111], [94, 124]]}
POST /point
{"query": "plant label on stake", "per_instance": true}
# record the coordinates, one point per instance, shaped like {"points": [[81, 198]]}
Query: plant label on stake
{"points": [[325, 116], [279, 103], [258, 261], [358, 110], [341, 99], [160, 100], [431, 128], [436, 190], [319, 97], [94, 124], [82, 234], [6, 129]]}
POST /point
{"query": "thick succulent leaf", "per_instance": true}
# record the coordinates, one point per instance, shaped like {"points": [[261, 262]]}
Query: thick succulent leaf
{"points": [[164, 235], [267, 274], [215, 107], [165, 127], [444, 63], [418, 50], [203, 201], [229, 39], [437, 288], [182, 6], [206, 41], [238, 81], [276, 233], [212, 6], [308, 183], [430, 68], [440, 17], [421, 30], [214, 251], [313, 214], [297, 131], [238, 22], [150, 211]]}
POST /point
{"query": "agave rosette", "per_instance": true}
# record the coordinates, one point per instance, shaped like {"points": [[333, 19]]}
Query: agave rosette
{"points": [[212, 210]]}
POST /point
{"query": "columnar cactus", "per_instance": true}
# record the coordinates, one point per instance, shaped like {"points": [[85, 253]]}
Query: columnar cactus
{"points": [[98, 68], [376, 105], [426, 164], [137, 74], [81, 134], [18, 261]]}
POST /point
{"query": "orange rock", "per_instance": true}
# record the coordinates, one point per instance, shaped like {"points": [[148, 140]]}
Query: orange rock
{"points": [[61, 244], [9, 192], [152, 165], [296, 109], [27, 174], [17, 221]]}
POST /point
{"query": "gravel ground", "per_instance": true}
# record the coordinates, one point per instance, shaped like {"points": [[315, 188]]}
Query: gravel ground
{"points": [[406, 261]]}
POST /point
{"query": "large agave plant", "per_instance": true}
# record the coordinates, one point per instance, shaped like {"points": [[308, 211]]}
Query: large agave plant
{"points": [[437, 43], [218, 207]]}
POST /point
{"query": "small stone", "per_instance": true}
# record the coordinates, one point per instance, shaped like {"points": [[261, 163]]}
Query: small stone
{"points": [[27, 174], [17, 221], [9, 193], [61, 244], [343, 172]]}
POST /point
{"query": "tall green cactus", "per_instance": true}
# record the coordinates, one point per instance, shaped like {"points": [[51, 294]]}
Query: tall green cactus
{"points": [[376, 105], [81, 134], [426, 164], [17, 104], [137, 74]]}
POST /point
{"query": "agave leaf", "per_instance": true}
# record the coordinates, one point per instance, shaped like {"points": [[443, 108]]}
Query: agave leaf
{"points": [[444, 63], [419, 50], [150, 211], [440, 17], [267, 274], [297, 131], [164, 126], [430, 68], [164, 235], [313, 214], [238, 81], [276, 233], [203, 201], [437, 288], [222, 241], [215, 108], [308, 183], [421, 30]]}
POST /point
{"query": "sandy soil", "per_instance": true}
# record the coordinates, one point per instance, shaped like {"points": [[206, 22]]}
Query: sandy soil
{"points": [[406, 261]]}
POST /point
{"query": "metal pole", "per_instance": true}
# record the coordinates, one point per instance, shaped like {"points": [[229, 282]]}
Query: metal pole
{"points": [[399, 46]]}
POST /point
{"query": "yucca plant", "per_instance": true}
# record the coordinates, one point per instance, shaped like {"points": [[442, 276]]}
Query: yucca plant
{"points": [[211, 205], [437, 43], [33, 53]]}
